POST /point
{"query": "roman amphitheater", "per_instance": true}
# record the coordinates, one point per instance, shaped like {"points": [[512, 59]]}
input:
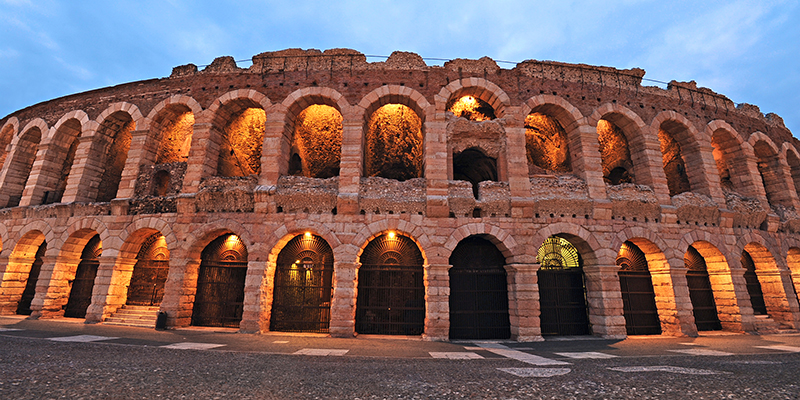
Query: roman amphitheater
{"points": [[319, 192]]}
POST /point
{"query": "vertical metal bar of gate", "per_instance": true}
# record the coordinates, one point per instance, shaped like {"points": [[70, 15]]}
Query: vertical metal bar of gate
{"points": [[80, 296], [639, 304], [220, 294], [302, 298], [562, 297], [704, 307], [391, 300]]}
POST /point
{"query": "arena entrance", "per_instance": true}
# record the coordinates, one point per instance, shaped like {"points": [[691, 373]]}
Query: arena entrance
{"points": [[753, 285], [150, 272], [478, 291], [562, 291], [391, 292], [303, 281], [703, 305], [638, 297], [220, 283], [80, 296], [24, 306]]}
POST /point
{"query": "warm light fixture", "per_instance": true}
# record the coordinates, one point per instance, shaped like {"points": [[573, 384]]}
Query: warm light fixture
{"points": [[307, 235], [390, 234]]}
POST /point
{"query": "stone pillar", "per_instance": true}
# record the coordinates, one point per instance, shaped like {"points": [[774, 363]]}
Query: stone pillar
{"points": [[53, 286], [258, 287], [203, 157], [179, 291], [110, 287], [779, 297], [672, 298], [142, 152], [350, 165], [605, 301], [44, 174], [87, 170], [14, 278], [436, 169], [343, 303], [437, 301], [519, 182], [523, 302], [276, 149], [730, 295], [586, 161]]}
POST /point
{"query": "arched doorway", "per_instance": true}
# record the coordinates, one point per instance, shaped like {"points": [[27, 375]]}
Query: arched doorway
{"points": [[478, 291], [391, 292], [638, 297], [703, 305], [753, 285], [80, 296], [150, 272], [24, 306], [562, 291], [303, 281], [220, 283]]}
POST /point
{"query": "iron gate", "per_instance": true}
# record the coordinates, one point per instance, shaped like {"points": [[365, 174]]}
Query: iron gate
{"points": [[303, 282], [753, 285], [478, 291], [391, 291], [563, 302], [24, 306], [701, 294], [220, 283], [638, 297], [147, 282], [80, 296]]}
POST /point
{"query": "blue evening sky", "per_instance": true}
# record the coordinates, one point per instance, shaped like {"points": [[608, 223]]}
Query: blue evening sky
{"points": [[746, 50]]}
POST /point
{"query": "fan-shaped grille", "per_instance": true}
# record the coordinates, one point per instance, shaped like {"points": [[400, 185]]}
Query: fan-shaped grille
{"points": [[154, 248], [631, 258], [558, 253], [391, 250], [693, 260], [228, 247], [306, 249], [93, 249]]}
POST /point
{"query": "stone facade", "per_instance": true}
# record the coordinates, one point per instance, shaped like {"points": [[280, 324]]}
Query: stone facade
{"points": [[742, 170]]}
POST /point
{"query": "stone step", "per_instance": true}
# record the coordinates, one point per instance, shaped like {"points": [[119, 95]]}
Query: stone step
{"points": [[764, 323], [141, 316], [128, 323]]}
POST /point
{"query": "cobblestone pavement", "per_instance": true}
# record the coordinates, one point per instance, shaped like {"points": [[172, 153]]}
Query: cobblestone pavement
{"points": [[63, 359]]}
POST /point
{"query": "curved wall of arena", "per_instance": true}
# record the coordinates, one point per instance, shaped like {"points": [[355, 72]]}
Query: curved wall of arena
{"points": [[701, 173]]}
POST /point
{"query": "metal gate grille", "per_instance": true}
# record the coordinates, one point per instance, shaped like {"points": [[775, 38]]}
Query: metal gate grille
{"points": [[638, 297], [478, 291], [303, 282], [220, 283], [24, 305], [753, 285], [563, 302], [80, 296], [147, 282], [704, 307]]}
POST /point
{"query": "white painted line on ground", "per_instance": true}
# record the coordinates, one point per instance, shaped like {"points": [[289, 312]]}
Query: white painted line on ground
{"points": [[9, 329], [192, 346], [790, 349], [81, 338], [587, 354], [321, 352], [536, 372], [455, 355], [281, 341], [504, 351], [669, 368], [702, 352], [691, 344]]}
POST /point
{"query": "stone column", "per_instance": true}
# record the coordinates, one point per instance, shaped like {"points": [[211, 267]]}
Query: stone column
{"points": [[779, 297], [519, 182], [276, 149], [436, 169], [110, 287], [350, 165], [53, 286], [672, 298], [87, 170], [203, 157], [605, 301], [523, 302], [343, 303], [14, 279], [730, 296], [179, 291], [258, 287], [142, 152], [437, 301]]}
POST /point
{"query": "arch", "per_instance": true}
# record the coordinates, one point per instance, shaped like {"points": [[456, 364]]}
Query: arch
{"points": [[19, 280], [479, 88], [313, 133], [77, 266], [637, 286], [7, 133], [771, 170], [722, 283], [558, 114], [474, 166], [632, 128], [180, 100], [792, 158], [563, 288], [237, 127], [170, 127], [219, 298], [764, 278], [498, 236], [681, 141], [401, 227], [733, 157], [16, 171]]}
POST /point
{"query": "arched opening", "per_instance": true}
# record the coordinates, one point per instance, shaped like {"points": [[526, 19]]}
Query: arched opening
{"points": [[793, 260], [5, 139], [80, 295], [478, 291], [753, 284], [303, 283], [176, 128], [471, 108], [19, 170], [394, 143], [150, 272], [794, 168], [614, 153], [672, 157], [731, 163], [116, 134], [701, 294], [242, 139], [562, 289], [474, 166], [546, 144], [638, 297], [769, 168], [317, 142], [162, 181], [220, 283], [391, 291], [24, 306]]}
